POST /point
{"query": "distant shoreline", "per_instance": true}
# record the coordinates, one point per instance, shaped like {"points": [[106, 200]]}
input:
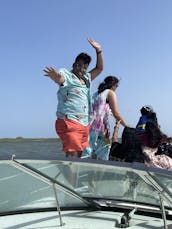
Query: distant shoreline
{"points": [[21, 139]]}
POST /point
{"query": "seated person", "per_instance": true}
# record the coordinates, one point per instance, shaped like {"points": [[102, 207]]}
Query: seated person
{"points": [[151, 140], [129, 150], [147, 113]]}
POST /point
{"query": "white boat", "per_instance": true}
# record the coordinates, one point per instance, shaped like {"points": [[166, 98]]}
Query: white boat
{"points": [[83, 194]]}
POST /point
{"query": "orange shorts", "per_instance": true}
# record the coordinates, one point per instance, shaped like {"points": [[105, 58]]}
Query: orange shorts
{"points": [[73, 135]]}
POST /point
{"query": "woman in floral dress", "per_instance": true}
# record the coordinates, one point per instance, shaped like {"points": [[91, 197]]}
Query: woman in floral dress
{"points": [[104, 104]]}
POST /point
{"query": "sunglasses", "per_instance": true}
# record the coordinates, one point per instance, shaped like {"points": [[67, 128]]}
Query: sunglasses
{"points": [[82, 66]]}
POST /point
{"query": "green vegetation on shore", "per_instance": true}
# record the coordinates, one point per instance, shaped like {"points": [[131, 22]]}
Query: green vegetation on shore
{"points": [[21, 139]]}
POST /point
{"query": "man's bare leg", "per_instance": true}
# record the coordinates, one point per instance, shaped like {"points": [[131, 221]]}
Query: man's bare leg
{"points": [[72, 176]]}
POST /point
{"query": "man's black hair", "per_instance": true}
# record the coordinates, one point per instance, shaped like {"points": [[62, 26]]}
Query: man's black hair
{"points": [[84, 57]]}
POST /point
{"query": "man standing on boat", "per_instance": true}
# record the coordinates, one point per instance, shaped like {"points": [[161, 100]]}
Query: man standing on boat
{"points": [[74, 100]]}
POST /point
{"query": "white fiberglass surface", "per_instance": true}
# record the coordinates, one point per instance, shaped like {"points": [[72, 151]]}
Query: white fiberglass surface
{"points": [[78, 220]]}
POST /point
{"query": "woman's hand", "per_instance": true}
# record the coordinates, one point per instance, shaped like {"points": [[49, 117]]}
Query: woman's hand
{"points": [[117, 124]]}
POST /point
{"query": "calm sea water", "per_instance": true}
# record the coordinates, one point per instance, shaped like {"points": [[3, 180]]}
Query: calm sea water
{"points": [[38, 147]]}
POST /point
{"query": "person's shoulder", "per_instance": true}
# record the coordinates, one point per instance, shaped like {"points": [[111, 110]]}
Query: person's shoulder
{"points": [[104, 94], [108, 90], [110, 94], [66, 74]]}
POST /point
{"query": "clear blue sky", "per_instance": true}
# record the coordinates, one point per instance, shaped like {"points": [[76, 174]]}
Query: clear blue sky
{"points": [[136, 39]]}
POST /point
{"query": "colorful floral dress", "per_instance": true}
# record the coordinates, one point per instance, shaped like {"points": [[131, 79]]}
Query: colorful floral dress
{"points": [[99, 136], [161, 161]]}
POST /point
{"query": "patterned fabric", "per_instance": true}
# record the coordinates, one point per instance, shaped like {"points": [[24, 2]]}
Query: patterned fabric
{"points": [[161, 161], [99, 136], [74, 100]]}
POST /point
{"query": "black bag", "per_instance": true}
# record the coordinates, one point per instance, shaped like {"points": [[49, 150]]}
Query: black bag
{"points": [[116, 152], [130, 149]]}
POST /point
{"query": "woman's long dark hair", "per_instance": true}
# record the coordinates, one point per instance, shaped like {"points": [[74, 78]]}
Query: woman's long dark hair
{"points": [[84, 57], [148, 111], [154, 134], [131, 145], [108, 83]]}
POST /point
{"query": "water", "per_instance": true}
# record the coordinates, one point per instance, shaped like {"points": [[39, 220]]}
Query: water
{"points": [[41, 148]]}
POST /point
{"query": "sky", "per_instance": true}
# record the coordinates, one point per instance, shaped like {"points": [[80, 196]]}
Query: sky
{"points": [[136, 41]]}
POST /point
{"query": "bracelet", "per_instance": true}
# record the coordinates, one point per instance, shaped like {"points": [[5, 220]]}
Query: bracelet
{"points": [[115, 127], [99, 52]]}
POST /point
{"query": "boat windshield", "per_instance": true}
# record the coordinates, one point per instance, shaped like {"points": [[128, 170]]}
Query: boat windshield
{"points": [[27, 184]]}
